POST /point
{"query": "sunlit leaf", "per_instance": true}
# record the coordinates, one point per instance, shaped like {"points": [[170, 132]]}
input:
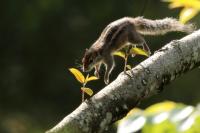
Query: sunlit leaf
{"points": [[187, 124], [187, 13], [165, 126], [87, 91], [184, 3], [78, 75], [128, 66], [175, 5], [167, 0], [120, 54], [138, 51], [160, 117], [91, 78], [181, 114], [134, 111], [195, 127], [132, 123], [192, 3], [160, 107]]}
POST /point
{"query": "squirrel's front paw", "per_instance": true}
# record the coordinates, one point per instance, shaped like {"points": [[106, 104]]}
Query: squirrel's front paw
{"points": [[96, 73], [149, 53], [106, 81]]}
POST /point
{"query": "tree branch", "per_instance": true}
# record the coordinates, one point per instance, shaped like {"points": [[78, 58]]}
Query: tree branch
{"points": [[124, 93]]}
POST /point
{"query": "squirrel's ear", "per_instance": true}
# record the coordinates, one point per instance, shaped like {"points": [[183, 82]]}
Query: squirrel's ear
{"points": [[86, 50]]}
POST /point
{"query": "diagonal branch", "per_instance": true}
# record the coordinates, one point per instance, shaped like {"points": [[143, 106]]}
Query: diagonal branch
{"points": [[146, 79]]}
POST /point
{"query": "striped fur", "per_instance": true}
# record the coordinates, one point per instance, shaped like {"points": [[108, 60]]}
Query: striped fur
{"points": [[160, 26]]}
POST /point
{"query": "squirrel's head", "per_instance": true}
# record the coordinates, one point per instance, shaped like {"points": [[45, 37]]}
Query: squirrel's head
{"points": [[90, 59]]}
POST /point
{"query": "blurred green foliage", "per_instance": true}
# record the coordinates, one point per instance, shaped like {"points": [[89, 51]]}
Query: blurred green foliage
{"points": [[165, 117], [41, 39]]}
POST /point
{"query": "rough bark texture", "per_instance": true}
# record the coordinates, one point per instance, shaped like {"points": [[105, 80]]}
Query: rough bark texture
{"points": [[124, 93]]}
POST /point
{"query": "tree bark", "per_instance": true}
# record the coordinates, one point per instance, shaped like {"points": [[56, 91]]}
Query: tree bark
{"points": [[124, 93]]}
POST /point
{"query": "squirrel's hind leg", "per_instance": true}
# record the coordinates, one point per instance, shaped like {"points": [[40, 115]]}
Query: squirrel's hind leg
{"points": [[135, 38], [97, 69], [109, 64]]}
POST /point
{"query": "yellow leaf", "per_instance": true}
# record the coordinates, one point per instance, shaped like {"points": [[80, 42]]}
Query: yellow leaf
{"points": [[184, 3], [78, 75], [130, 113], [128, 66], [167, 0], [175, 5], [138, 51], [90, 78], [87, 91], [187, 13], [192, 4], [133, 111], [120, 54], [160, 107]]}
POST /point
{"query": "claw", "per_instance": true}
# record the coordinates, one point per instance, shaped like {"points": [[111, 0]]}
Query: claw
{"points": [[106, 81]]}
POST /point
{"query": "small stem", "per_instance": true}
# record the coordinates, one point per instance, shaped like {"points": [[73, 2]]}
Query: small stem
{"points": [[83, 99], [126, 57], [125, 63], [83, 93]]}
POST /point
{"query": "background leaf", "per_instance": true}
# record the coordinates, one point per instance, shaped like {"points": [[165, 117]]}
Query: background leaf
{"points": [[187, 13], [78, 75], [162, 117], [87, 91], [164, 127], [133, 122], [175, 5], [160, 107]]}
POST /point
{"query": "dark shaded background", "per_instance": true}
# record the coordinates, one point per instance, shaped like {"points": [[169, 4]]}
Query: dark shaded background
{"points": [[41, 39]]}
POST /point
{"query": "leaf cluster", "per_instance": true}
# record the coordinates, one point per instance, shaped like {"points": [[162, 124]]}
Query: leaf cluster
{"points": [[190, 8], [133, 51], [162, 117], [83, 80]]}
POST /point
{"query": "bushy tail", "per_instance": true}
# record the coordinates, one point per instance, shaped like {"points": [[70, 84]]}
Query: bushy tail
{"points": [[161, 26]]}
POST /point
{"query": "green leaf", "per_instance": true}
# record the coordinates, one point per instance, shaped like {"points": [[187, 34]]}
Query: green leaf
{"points": [[187, 124], [139, 51], [160, 107], [87, 91], [133, 122], [78, 75], [133, 112], [120, 54], [181, 113], [160, 117], [187, 13], [164, 127]]}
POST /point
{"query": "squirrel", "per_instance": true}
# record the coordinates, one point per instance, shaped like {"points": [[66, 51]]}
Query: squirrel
{"points": [[123, 32]]}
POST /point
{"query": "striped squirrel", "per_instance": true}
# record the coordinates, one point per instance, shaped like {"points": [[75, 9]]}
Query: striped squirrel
{"points": [[123, 32]]}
